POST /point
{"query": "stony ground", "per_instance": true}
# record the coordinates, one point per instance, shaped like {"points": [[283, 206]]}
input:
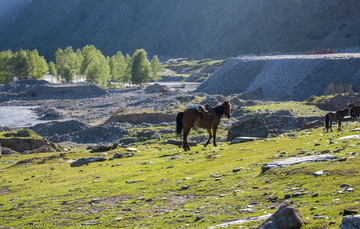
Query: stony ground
{"points": [[97, 110]]}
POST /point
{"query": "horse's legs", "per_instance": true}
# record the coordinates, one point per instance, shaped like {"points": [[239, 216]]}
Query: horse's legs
{"points": [[185, 142], [210, 136], [214, 131], [330, 125], [339, 125]]}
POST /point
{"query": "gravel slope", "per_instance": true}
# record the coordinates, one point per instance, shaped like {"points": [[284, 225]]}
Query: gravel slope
{"points": [[284, 77]]}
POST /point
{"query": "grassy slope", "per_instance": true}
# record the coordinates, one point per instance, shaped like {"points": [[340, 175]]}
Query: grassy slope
{"points": [[33, 193]]}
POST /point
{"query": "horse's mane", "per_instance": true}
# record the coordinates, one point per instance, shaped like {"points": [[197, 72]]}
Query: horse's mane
{"points": [[220, 108]]}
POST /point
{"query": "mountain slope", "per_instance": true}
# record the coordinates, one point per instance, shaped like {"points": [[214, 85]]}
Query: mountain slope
{"points": [[202, 28]]}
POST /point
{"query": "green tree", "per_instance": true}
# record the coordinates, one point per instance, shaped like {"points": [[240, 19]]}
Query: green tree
{"points": [[95, 67], [117, 67], [127, 76], [140, 67], [67, 64], [98, 71], [21, 65], [38, 65], [6, 69], [156, 67]]}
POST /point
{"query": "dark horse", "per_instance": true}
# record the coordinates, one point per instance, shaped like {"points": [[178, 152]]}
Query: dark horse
{"points": [[335, 116], [354, 112], [191, 117]]}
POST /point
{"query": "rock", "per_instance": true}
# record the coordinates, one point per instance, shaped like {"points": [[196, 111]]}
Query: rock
{"points": [[350, 212], [122, 155], [350, 137], [248, 126], [312, 124], [156, 88], [185, 187], [285, 217], [296, 160], [103, 146], [7, 151], [85, 161], [146, 134], [319, 173], [131, 149], [241, 221], [237, 170], [343, 159], [350, 222], [244, 139], [156, 136], [28, 144]]}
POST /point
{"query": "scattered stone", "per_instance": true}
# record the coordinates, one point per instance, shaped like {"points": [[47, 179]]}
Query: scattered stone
{"points": [[320, 217], [241, 221], [103, 146], [185, 187], [313, 124], [131, 149], [343, 159], [350, 212], [319, 173], [133, 181], [215, 176], [315, 195], [285, 217], [237, 170], [156, 136], [350, 137], [199, 218], [244, 139], [248, 210], [123, 155], [296, 160], [89, 224], [350, 222], [86, 161]]}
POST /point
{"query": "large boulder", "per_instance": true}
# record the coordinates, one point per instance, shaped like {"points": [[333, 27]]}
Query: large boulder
{"points": [[350, 222], [267, 124], [286, 217]]}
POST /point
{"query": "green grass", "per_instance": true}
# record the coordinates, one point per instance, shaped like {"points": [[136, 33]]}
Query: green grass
{"points": [[34, 193], [26, 134], [297, 109]]}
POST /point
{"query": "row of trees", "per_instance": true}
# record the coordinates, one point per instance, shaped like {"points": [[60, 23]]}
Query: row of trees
{"points": [[22, 65], [87, 64]]}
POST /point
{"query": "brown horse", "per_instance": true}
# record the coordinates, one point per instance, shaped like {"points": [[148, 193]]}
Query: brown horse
{"points": [[191, 117], [335, 116], [354, 112]]}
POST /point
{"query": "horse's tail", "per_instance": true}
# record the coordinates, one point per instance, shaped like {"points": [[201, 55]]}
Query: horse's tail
{"points": [[179, 125], [327, 121]]}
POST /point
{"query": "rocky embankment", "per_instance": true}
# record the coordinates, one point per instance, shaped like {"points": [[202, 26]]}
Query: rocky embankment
{"points": [[284, 77], [113, 115]]}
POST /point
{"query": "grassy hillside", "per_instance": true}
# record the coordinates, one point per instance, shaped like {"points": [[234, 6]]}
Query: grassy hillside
{"points": [[164, 187]]}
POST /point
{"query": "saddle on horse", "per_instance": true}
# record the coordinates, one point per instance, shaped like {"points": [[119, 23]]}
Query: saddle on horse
{"points": [[205, 111]]}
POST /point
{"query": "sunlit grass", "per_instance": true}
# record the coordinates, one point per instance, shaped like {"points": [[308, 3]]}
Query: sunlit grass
{"points": [[162, 186]]}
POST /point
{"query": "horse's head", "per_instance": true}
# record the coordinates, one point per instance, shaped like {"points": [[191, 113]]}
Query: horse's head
{"points": [[227, 108]]}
